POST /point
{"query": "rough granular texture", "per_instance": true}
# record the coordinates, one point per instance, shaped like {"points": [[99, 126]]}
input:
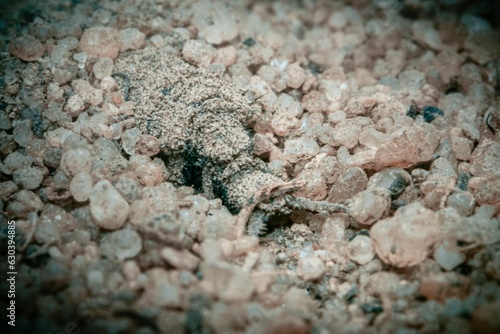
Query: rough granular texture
{"points": [[200, 119]]}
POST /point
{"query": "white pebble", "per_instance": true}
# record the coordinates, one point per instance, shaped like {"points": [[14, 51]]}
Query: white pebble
{"points": [[447, 257], [107, 206], [361, 249], [81, 186]]}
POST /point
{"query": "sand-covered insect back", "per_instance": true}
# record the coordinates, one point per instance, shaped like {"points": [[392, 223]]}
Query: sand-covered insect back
{"points": [[201, 120]]}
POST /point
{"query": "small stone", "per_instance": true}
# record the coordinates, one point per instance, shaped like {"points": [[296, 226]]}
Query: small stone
{"points": [[100, 42], [315, 187], [215, 22], [332, 232], [286, 114], [197, 53], [349, 183], [369, 205], [430, 113], [130, 138], [103, 68], [407, 238], [28, 178], [76, 161], [210, 250], [147, 145], [443, 286], [108, 156], [394, 180], [338, 20], [88, 93], [129, 187], [226, 55], [15, 161], [23, 135], [483, 46], [121, 245], [462, 201], [426, 34], [7, 188], [180, 259], [107, 206], [486, 159], [346, 133], [80, 186], [371, 138], [300, 148], [131, 39], [310, 267], [24, 201], [149, 173], [407, 146], [159, 291], [27, 48], [361, 250], [54, 93], [448, 257], [227, 282], [74, 106], [46, 232], [486, 190]]}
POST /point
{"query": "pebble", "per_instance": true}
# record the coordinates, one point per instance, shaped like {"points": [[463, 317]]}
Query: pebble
{"points": [[76, 161], [130, 138], [215, 22], [159, 291], [100, 42], [226, 55], [28, 178], [369, 206], [349, 183], [147, 145], [180, 259], [426, 34], [286, 114], [23, 135], [80, 186], [15, 161], [394, 180], [486, 190], [448, 257], [310, 267], [131, 39], [121, 245], [7, 188], [24, 201], [149, 173], [46, 232], [227, 282], [361, 250], [295, 76], [27, 48], [107, 206], [300, 148], [462, 201], [197, 53], [407, 238], [108, 155], [407, 146], [88, 93], [485, 159], [103, 68], [74, 106]]}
